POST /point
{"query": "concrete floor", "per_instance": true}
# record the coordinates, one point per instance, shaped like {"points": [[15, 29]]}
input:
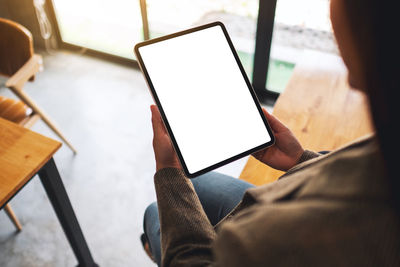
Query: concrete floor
{"points": [[103, 108]]}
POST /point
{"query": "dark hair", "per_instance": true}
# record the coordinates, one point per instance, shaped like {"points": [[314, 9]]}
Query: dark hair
{"points": [[374, 26]]}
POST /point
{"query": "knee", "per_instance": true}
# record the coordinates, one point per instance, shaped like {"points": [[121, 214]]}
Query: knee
{"points": [[151, 223], [151, 213], [151, 209]]}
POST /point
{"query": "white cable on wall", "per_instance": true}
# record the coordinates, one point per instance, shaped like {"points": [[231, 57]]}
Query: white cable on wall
{"points": [[46, 30]]}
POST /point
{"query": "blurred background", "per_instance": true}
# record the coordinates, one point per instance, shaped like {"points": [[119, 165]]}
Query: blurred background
{"points": [[113, 27], [298, 25]]}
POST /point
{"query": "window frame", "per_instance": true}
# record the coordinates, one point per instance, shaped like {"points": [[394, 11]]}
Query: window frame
{"points": [[263, 41]]}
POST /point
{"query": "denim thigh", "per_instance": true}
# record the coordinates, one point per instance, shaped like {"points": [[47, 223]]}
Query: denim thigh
{"points": [[218, 194]]}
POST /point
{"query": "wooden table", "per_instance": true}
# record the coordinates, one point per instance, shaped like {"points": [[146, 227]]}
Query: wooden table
{"points": [[23, 154], [319, 107]]}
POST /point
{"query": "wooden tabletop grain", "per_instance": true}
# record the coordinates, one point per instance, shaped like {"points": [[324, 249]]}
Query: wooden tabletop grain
{"points": [[319, 107], [22, 154]]}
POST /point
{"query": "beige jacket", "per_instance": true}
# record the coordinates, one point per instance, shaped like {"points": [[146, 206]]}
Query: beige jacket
{"points": [[332, 210]]}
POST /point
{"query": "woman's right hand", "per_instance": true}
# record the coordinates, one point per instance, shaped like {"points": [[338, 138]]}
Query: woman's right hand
{"points": [[286, 151]]}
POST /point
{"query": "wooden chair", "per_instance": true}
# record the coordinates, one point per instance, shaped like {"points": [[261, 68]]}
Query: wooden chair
{"points": [[319, 107], [18, 61], [17, 112]]}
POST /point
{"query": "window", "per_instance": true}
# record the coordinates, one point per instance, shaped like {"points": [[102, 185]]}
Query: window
{"points": [[239, 17], [112, 27], [298, 25]]}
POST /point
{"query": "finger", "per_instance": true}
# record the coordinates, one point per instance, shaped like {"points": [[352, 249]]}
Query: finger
{"points": [[155, 120], [158, 125], [259, 154], [155, 114], [276, 125]]}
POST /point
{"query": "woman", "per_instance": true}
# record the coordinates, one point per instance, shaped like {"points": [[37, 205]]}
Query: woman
{"points": [[327, 210]]}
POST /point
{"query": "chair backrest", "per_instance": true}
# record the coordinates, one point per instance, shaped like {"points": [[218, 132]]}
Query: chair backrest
{"points": [[16, 46]]}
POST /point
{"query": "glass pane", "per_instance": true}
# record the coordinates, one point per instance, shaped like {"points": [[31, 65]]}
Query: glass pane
{"points": [[299, 25], [109, 26], [239, 17]]}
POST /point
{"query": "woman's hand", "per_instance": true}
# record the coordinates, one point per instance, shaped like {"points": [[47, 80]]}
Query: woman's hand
{"points": [[163, 151], [286, 151]]}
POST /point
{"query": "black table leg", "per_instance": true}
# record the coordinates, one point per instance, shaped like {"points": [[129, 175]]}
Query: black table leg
{"points": [[55, 190]]}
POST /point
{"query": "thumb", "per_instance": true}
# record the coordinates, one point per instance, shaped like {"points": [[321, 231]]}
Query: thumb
{"points": [[158, 125]]}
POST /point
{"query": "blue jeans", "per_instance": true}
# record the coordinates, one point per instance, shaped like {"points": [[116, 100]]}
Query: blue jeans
{"points": [[218, 194]]}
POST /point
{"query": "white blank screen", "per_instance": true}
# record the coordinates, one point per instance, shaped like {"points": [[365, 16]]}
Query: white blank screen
{"points": [[205, 97]]}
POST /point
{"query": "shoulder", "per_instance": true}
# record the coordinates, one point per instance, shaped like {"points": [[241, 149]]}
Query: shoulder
{"points": [[307, 233]]}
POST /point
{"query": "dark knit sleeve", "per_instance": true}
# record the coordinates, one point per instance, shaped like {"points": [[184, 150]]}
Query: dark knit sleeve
{"points": [[307, 155], [186, 232]]}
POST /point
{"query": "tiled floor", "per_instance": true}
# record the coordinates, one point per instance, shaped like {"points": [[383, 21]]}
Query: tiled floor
{"points": [[103, 108]]}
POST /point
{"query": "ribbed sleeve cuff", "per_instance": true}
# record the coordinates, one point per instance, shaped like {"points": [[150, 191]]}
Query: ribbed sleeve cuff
{"points": [[169, 175], [307, 155]]}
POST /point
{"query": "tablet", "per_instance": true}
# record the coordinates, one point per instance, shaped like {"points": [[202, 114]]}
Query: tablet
{"points": [[206, 101]]}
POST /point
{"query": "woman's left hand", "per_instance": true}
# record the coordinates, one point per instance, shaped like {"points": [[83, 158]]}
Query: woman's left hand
{"points": [[163, 150]]}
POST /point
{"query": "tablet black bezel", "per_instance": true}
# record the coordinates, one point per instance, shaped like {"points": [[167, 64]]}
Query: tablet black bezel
{"points": [[157, 101]]}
